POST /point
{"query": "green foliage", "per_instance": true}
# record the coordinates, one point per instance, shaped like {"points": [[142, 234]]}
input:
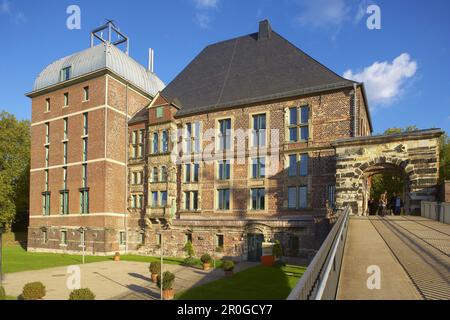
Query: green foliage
{"points": [[228, 265], [168, 280], [82, 294], [400, 130], [33, 291], [155, 267], [444, 146], [189, 249], [206, 258], [14, 168], [190, 261], [386, 181], [2, 293], [277, 250]]}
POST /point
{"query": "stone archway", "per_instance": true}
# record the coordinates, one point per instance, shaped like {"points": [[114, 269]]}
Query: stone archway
{"points": [[415, 155]]}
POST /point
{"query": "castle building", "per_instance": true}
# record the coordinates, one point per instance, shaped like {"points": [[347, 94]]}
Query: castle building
{"points": [[235, 151]]}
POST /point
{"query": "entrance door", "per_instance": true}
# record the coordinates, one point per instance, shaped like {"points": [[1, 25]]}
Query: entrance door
{"points": [[255, 246]]}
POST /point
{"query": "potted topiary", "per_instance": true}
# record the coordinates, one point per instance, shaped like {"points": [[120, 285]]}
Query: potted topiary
{"points": [[228, 267], [206, 260], [117, 256], [155, 269], [82, 294], [33, 291], [167, 285]]}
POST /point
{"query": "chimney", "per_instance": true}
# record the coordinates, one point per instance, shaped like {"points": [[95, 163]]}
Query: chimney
{"points": [[151, 56], [265, 30]]}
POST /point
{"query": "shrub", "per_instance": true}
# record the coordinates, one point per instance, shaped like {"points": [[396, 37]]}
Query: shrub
{"points": [[206, 258], [219, 249], [33, 291], [277, 251], [82, 294], [2, 293], [155, 267], [189, 249], [228, 265], [168, 280], [189, 261]]}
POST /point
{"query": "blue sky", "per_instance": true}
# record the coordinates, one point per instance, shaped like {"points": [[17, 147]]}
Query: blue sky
{"points": [[405, 64]]}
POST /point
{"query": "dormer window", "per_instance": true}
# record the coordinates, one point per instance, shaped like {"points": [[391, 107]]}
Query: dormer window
{"points": [[66, 73]]}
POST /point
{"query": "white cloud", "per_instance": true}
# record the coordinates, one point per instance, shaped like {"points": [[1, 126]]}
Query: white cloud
{"points": [[203, 20], [206, 3], [323, 13], [385, 81]]}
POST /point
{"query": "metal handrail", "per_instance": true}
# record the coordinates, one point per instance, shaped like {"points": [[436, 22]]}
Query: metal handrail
{"points": [[321, 278]]}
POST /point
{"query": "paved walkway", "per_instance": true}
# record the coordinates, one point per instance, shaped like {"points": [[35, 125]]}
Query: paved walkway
{"points": [[364, 247], [113, 280]]}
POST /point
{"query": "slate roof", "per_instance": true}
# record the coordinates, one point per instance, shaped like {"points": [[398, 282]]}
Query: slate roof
{"points": [[101, 56], [253, 68]]}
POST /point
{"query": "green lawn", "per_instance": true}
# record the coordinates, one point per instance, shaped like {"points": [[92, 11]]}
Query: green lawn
{"points": [[16, 259], [257, 283]]}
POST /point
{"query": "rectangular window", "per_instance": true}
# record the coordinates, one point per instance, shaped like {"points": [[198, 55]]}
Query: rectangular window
{"points": [[84, 201], [293, 116], [154, 199], [195, 200], [142, 238], [165, 141], [163, 198], [187, 201], [292, 170], [258, 168], [64, 237], [82, 239], [304, 118], [155, 143], [64, 178], [224, 199], [46, 203], [45, 237], [219, 241], [304, 164], [85, 149], [188, 238], [64, 202], [65, 73], [46, 179], [188, 142], [47, 105], [298, 123], [224, 170], [158, 239], [66, 99], [122, 238], [85, 93], [155, 174], [331, 191], [134, 137], [196, 171], [133, 201], [140, 201], [224, 134], [258, 199], [292, 197], [302, 197], [259, 130], [159, 112], [66, 128], [187, 174], [47, 133], [197, 137], [65, 152], [85, 124]]}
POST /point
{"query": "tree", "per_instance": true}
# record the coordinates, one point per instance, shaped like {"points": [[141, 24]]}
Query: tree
{"points": [[395, 130], [14, 167], [444, 155]]}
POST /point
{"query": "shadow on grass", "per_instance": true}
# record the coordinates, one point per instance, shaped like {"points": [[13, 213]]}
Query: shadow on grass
{"points": [[257, 283]]}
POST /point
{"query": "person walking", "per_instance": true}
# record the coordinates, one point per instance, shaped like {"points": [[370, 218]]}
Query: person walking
{"points": [[398, 205], [392, 204], [372, 206], [382, 204]]}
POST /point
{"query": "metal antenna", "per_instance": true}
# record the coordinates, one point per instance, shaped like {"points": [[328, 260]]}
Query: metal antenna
{"points": [[111, 28]]}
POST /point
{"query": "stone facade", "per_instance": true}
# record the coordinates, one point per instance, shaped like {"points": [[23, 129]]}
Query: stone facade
{"points": [[415, 156]]}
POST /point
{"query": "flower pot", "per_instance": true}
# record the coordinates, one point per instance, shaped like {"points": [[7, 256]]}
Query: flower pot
{"points": [[117, 258], [154, 277], [229, 273], [168, 294], [206, 266]]}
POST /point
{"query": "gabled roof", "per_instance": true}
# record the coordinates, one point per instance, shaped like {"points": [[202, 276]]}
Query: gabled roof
{"points": [[101, 56], [257, 67]]}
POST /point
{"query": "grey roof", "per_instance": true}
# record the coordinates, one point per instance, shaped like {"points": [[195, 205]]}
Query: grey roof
{"points": [[140, 116], [101, 56], [257, 67]]}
